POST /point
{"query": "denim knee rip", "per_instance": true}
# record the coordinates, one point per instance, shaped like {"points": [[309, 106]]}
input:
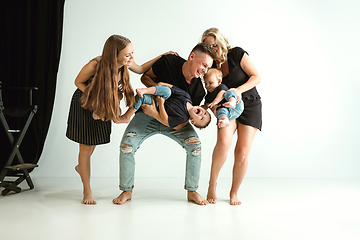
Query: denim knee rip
{"points": [[196, 152], [132, 134], [126, 148], [193, 140]]}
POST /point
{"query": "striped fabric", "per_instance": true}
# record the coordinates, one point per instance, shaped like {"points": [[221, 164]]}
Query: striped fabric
{"points": [[83, 128]]}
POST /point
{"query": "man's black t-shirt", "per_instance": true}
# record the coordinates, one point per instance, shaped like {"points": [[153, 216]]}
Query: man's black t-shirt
{"points": [[168, 69]]}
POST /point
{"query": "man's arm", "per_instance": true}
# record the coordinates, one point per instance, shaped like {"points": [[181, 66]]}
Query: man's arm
{"points": [[165, 84], [147, 78], [163, 116]]}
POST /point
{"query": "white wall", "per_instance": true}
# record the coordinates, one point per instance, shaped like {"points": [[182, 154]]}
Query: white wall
{"points": [[306, 53]]}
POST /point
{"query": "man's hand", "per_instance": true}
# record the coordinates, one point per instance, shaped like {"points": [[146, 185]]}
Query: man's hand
{"points": [[160, 100], [150, 109]]}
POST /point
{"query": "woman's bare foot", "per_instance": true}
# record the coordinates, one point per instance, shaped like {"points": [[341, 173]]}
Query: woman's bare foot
{"points": [[223, 122], [193, 196], [88, 198], [234, 200], [211, 196], [123, 197]]}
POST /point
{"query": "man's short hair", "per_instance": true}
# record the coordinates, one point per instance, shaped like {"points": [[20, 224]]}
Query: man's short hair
{"points": [[204, 48]]}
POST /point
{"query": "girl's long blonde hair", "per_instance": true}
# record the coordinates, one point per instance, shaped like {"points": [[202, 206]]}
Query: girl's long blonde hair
{"points": [[104, 92], [221, 41]]}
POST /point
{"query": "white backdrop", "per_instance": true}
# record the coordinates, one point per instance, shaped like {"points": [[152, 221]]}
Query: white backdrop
{"points": [[305, 51]]}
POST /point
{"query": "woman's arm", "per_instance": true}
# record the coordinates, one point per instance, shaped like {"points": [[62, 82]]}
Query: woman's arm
{"points": [[254, 77], [146, 66], [86, 73]]}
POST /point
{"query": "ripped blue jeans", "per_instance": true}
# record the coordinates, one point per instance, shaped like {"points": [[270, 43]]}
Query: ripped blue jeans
{"points": [[142, 127]]}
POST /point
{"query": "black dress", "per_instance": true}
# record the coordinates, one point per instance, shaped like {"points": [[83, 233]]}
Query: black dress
{"points": [[82, 127], [252, 114]]}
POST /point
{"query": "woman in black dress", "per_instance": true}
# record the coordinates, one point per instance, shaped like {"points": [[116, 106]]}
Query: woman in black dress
{"points": [[240, 74], [101, 83]]}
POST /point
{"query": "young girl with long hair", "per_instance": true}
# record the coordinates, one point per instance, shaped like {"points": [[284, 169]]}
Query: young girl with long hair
{"points": [[102, 83]]}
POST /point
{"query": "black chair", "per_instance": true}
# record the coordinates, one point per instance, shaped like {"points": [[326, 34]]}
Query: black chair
{"points": [[16, 169]]}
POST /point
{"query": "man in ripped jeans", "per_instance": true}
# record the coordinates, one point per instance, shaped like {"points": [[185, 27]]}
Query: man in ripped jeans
{"points": [[184, 74]]}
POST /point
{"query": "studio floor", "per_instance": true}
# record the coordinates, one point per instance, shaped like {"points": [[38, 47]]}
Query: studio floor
{"points": [[271, 209]]}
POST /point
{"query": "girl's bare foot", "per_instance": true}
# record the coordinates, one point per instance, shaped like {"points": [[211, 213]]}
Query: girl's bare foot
{"points": [[88, 197], [123, 197], [193, 196], [234, 200], [211, 196]]}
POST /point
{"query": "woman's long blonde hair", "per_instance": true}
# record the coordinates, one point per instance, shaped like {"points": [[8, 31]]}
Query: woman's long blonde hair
{"points": [[221, 41], [104, 91]]}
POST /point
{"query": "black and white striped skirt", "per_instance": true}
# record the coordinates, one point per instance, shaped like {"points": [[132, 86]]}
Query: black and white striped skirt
{"points": [[82, 127]]}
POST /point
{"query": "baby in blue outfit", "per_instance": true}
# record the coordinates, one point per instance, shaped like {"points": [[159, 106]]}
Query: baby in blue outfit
{"points": [[219, 95]]}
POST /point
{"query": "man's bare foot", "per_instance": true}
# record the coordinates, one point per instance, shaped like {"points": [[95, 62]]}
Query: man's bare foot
{"points": [[193, 196], [89, 199], [211, 196], [223, 122], [123, 197], [234, 200]]}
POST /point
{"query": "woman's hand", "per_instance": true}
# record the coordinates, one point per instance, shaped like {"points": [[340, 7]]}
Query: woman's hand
{"points": [[238, 94], [171, 52]]}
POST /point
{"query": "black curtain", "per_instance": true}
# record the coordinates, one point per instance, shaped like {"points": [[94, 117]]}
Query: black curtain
{"points": [[30, 57]]}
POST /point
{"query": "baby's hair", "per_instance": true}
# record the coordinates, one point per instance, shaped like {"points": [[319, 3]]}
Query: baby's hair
{"points": [[217, 72], [206, 124]]}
